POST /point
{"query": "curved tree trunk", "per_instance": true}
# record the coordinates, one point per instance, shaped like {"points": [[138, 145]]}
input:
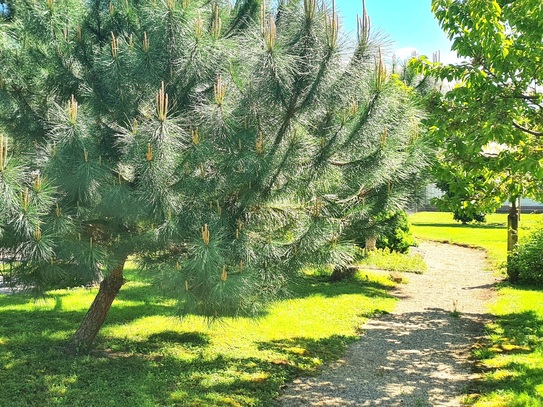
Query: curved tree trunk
{"points": [[83, 338]]}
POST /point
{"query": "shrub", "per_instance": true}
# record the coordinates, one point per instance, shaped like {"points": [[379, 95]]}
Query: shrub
{"points": [[395, 233], [392, 229], [466, 218], [525, 264], [466, 207]]}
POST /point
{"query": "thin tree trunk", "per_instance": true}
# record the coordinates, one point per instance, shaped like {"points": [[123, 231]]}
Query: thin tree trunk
{"points": [[512, 225], [512, 235], [83, 338]]}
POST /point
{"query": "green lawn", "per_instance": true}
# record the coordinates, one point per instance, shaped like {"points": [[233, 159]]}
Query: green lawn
{"points": [[512, 357], [492, 235], [147, 356], [384, 259]]}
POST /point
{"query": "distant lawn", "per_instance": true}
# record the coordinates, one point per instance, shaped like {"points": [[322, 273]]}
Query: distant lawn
{"points": [[492, 235], [512, 358], [146, 356]]}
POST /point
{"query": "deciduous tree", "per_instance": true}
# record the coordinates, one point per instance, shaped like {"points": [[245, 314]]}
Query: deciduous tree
{"points": [[490, 125]]}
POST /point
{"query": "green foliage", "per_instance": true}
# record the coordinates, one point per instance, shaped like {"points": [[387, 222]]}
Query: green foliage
{"points": [[395, 233], [525, 264], [147, 356], [392, 229], [464, 217], [465, 206], [469, 192], [227, 147], [488, 126]]}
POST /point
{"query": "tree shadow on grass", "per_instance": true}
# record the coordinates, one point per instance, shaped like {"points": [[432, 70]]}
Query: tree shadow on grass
{"points": [[308, 286], [146, 293], [521, 330], [522, 286], [151, 301], [139, 301], [20, 298], [43, 375], [462, 226], [181, 338], [36, 372], [122, 314], [189, 342], [517, 338], [34, 322], [35, 316], [166, 368], [522, 387], [308, 352]]}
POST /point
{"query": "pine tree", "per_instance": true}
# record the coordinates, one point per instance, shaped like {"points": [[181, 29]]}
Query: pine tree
{"points": [[225, 147]]}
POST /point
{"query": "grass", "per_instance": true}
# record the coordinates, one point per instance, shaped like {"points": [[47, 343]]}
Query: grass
{"points": [[491, 236], [387, 260], [147, 356], [511, 358]]}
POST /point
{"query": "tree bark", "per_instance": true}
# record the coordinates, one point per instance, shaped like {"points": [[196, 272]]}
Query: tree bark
{"points": [[512, 225], [512, 235], [83, 338]]}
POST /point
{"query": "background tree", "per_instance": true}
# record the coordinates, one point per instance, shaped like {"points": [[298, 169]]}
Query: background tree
{"points": [[227, 147], [491, 123]]}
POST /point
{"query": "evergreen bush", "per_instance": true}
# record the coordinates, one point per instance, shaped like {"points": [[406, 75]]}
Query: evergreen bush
{"points": [[392, 230], [396, 233]]}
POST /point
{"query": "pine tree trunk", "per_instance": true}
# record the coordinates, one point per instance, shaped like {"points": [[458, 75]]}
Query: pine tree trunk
{"points": [[83, 338]]}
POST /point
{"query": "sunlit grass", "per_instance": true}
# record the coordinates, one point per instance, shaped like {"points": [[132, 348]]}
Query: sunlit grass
{"points": [[511, 360], [389, 260], [491, 235], [514, 353], [148, 356]]}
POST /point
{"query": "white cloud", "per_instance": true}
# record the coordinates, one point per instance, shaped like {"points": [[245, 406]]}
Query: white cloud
{"points": [[446, 57], [404, 54]]}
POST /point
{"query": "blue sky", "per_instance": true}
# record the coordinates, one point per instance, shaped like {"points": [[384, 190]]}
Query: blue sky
{"points": [[408, 23]]}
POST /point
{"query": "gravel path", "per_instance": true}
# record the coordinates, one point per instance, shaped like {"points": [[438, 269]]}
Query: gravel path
{"points": [[418, 355]]}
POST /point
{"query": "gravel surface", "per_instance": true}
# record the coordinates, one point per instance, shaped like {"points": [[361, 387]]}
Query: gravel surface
{"points": [[417, 355]]}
